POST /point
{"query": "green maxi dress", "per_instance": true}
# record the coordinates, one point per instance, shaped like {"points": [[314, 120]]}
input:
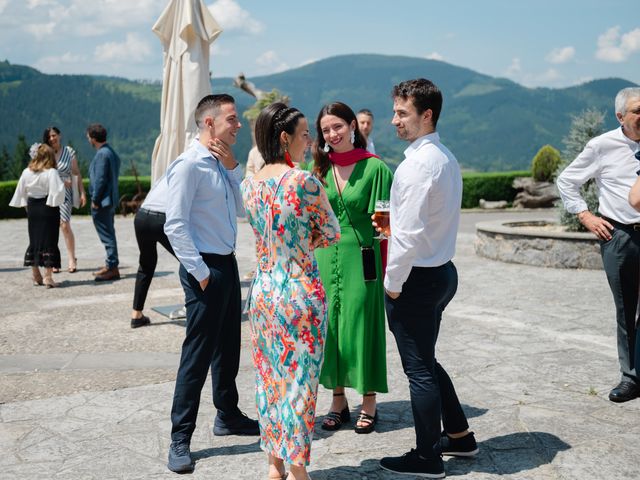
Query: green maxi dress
{"points": [[355, 346]]}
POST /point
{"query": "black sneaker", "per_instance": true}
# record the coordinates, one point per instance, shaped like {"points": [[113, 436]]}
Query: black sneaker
{"points": [[140, 322], [413, 464], [459, 447], [239, 425], [180, 457]]}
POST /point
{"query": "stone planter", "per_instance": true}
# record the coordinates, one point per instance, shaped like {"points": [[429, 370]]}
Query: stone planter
{"points": [[539, 243]]}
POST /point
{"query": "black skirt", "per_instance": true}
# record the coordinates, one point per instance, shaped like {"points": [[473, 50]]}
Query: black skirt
{"points": [[44, 231]]}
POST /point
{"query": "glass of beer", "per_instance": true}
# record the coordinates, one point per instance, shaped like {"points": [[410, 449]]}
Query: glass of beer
{"points": [[381, 217]]}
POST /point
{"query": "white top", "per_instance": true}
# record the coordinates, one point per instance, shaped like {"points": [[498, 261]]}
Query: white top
{"points": [[610, 160], [370, 146], [46, 183], [156, 199], [426, 195]]}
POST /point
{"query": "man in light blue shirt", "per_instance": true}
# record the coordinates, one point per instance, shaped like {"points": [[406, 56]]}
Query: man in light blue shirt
{"points": [[204, 192]]}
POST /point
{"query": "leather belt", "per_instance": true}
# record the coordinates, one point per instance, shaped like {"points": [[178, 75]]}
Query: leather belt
{"points": [[625, 226]]}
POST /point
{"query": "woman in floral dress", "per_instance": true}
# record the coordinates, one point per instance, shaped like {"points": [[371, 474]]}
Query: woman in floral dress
{"points": [[291, 216]]}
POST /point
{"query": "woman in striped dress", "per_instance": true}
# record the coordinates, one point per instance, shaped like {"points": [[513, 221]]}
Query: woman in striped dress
{"points": [[67, 166]]}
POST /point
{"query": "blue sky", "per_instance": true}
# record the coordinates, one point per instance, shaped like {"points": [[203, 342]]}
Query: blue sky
{"points": [[533, 42]]}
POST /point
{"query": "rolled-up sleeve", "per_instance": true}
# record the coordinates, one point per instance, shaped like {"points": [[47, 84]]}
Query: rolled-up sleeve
{"points": [[182, 182], [585, 167]]}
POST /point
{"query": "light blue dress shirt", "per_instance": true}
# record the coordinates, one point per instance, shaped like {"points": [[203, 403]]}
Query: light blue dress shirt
{"points": [[203, 202]]}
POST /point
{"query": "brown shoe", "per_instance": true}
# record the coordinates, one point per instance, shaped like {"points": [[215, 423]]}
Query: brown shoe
{"points": [[110, 274], [102, 271]]}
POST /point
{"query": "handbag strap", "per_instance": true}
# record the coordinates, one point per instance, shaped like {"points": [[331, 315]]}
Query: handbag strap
{"points": [[355, 232]]}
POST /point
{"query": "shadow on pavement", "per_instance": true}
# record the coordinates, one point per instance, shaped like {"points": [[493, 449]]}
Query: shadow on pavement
{"points": [[504, 455], [226, 451]]}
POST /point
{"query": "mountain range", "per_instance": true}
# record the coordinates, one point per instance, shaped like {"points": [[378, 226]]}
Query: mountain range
{"points": [[491, 124]]}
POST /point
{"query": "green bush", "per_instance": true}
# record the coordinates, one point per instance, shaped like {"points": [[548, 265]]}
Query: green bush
{"points": [[490, 186], [545, 164], [127, 186]]}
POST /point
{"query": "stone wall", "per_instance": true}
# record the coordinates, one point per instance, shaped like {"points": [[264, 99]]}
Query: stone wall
{"points": [[537, 243]]}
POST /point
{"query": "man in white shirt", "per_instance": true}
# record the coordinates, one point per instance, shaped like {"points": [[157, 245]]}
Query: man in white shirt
{"points": [[612, 161], [421, 279], [365, 125]]}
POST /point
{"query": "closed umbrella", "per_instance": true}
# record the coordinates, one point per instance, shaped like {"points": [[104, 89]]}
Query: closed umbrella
{"points": [[186, 29]]}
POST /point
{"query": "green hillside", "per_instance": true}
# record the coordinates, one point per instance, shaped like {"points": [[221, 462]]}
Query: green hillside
{"points": [[489, 123]]}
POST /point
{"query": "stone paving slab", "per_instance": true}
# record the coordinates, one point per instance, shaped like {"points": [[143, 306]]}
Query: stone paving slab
{"points": [[530, 350]]}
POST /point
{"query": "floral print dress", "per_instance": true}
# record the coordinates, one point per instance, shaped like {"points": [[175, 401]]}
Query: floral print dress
{"points": [[288, 313]]}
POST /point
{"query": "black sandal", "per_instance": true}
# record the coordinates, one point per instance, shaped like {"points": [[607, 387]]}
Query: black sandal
{"points": [[336, 418], [369, 420]]}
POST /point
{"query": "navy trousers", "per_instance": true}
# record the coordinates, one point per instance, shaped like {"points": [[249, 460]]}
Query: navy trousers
{"points": [[212, 339], [414, 319], [103, 220]]}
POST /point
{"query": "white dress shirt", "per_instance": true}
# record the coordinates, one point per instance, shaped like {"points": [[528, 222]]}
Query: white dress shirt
{"points": [[156, 199], [204, 200], [45, 183], [426, 195], [610, 160]]}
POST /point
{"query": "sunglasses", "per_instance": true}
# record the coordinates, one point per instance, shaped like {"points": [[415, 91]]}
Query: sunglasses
{"points": [[638, 158]]}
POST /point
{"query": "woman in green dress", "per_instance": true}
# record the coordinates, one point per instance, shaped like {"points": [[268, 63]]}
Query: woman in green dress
{"points": [[355, 347]]}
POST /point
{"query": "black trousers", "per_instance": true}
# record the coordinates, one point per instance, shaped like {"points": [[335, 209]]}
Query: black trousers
{"points": [[414, 319], [212, 340], [621, 260], [149, 228]]}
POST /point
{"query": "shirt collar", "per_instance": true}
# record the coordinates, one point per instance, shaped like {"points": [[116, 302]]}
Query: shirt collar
{"points": [[421, 141], [203, 152], [627, 139]]}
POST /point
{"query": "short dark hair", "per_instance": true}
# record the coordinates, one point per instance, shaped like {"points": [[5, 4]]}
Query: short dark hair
{"points": [[47, 132], [271, 122], [321, 158], [365, 111], [97, 132], [424, 94], [211, 103]]}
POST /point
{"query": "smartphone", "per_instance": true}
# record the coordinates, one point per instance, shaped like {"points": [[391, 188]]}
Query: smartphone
{"points": [[369, 264]]}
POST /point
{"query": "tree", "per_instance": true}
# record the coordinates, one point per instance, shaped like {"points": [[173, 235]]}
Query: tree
{"points": [[5, 164], [545, 164], [20, 158], [584, 127]]}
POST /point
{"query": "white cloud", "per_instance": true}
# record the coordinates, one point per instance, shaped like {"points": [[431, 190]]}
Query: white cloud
{"points": [[270, 62], [59, 63], [616, 48], [308, 61], [515, 67], [560, 55], [3, 5], [231, 16], [40, 30], [434, 56], [31, 4], [549, 76], [133, 49]]}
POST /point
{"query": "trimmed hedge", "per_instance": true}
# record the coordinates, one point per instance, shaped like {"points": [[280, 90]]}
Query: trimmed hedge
{"points": [[127, 186], [490, 186]]}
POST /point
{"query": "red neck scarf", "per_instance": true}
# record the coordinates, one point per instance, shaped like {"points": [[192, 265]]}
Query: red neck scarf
{"points": [[350, 157]]}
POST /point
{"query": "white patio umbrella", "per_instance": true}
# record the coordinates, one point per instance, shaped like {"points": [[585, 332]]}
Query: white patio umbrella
{"points": [[186, 29]]}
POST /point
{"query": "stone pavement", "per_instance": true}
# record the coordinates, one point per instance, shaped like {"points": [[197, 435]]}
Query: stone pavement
{"points": [[531, 352]]}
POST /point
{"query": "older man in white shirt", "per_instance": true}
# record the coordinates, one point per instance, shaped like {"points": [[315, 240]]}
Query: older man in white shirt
{"points": [[421, 279], [612, 160]]}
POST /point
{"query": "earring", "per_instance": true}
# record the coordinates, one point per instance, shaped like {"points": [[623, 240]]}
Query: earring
{"points": [[287, 156], [353, 137], [326, 148]]}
